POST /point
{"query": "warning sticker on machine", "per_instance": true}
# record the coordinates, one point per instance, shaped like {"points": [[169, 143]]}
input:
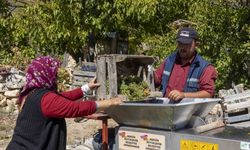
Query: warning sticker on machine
{"points": [[244, 146], [196, 145], [129, 140]]}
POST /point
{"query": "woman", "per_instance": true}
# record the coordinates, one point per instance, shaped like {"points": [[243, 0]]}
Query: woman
{"points": [[40, 124]]}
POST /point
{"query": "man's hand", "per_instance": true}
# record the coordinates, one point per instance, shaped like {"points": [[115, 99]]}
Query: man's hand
{"points": [[92, 84], [176, 95]]}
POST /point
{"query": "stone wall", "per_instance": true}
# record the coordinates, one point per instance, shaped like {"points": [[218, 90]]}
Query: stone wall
{"points": [[10, 83], [11, 80]]}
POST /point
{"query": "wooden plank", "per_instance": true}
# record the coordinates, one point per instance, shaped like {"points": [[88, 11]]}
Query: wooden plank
{"points": [[84, 73], [245, 124], [234, 106], [144, 74], [101, 78], [78, 84], [210, 126], [112, 74], [89, 64], [65, 59], [237, 118], [243, 95], [223, 93], [80, 61], [140, 59], [150, 81], [139, 71], [82, 78], [239, 88]]}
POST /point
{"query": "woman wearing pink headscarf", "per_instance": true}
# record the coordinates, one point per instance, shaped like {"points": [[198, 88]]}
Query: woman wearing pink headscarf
{"points": [[40, 124]]}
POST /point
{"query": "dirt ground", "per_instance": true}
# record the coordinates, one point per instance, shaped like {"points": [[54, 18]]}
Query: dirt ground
{"points": [[7, 123], [77, 132], [85, 129]]}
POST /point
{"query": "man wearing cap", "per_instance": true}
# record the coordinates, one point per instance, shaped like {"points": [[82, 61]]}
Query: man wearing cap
{"points": [[185, 74]]}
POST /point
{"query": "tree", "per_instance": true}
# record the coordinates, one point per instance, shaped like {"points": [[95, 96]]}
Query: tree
{"points": [[63, 25]]}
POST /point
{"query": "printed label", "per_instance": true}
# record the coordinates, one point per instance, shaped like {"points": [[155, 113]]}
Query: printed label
{"points": [[129, 140], [196, 145], [244, 146]]}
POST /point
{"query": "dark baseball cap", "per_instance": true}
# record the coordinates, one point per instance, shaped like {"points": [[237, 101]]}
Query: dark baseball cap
{"points": [[186, 35]]}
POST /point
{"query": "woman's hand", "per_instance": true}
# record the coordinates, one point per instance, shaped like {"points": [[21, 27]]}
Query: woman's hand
{"points": [[92, 84], [103, 105]]}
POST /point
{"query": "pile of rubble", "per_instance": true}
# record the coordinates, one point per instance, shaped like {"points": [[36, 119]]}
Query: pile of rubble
{"points": [[236, 104], [11, 80]]}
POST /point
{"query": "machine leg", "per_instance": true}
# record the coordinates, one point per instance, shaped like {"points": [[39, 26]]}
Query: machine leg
{"points": [[105, 134]]}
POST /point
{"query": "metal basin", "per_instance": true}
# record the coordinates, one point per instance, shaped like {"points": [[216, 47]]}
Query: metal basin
{"points": [[161, 113]]}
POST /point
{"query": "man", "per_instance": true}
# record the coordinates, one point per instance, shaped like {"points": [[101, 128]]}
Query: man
{"points": [[185, 74]]}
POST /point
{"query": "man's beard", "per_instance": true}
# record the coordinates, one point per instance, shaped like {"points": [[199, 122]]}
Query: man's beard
{"points": [[186, 54]]}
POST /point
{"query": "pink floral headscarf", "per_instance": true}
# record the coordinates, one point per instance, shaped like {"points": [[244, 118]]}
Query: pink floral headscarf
{"points": [[41, 73]]}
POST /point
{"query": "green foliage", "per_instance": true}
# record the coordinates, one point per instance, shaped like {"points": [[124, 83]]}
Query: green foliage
{"points": [[63, 25], [5, 34], [134, 88], [223, 32], [51, 27], [63, 78], [145, 9], [224, 37], [3, 7]]}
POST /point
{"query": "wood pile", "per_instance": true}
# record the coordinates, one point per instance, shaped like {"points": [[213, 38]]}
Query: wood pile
{"points": [[236, 104]]}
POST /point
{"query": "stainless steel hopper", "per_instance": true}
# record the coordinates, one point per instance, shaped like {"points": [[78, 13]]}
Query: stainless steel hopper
{"points": [[160, 113]]}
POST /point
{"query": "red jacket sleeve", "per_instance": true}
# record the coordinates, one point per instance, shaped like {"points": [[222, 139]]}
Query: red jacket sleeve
{"points": [[207, 80], [56, 106], [73, 94]]}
